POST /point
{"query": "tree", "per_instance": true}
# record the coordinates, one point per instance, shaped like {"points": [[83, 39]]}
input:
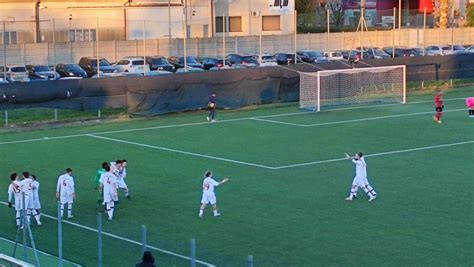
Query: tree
{"points": [[304, 6], [441, 13], [337, 11], [470, 16]]}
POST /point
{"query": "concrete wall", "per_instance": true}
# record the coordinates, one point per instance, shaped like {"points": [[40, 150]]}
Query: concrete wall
{"points": [[113, 50]]}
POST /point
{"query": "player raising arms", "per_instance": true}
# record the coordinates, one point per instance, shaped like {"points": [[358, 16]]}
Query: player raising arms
{"points": [[65, 192], [360, 179], [208, 195], [108, 187], [439, 106]]}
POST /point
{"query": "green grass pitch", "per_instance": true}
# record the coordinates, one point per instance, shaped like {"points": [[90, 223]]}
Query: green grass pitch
{"points": [[284, 203]]}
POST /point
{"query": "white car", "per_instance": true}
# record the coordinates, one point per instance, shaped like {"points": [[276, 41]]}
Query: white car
{"points": [[470, 49], [334, 55], [267, 60], [132, 65], [16, 74], [438, 50]]}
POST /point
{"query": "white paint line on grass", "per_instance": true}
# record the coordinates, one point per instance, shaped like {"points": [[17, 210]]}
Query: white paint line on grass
{"points": [[40, 251], [355, 120], [377, 154], [120, 238], [180, 151], [205, 122]]}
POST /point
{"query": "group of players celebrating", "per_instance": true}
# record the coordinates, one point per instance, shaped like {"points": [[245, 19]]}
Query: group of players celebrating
{"points": [[23, 191], [108, 180]]}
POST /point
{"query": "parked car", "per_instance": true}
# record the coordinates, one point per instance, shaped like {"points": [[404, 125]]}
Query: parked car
{"points": [[333, 55], [160, 63], [89, 64], [379, 53], [312, 56], [132, 65], [438, 50], [470, 49], [16, 74], [70, 70], [458, 49], [214, 63], [191, 61], [266, 60], [42, 72], [285, 58], [402, 52], [241, 61]]}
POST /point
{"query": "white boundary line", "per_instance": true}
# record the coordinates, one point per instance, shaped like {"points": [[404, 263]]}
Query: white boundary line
{"points": [[377, 154], [40, 251], [121, 238], [179, 151], [204, 122], [355, 120]]}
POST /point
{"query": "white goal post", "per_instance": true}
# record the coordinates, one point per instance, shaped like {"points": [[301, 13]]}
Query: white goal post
{"points": [[333, 88]]}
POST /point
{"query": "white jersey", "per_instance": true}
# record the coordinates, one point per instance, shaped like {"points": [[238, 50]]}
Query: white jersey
{"points": [[115, 170], [361, 167], [109, 187], [28, 186], [109, 183], [208, 185], [65, 185], [35, 201], [18, 187]]}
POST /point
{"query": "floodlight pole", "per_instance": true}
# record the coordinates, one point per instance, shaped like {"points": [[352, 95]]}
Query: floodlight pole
{"points": [[144, 47], [97, 47], [296, 34], [4, 53], [424, 28], [399, 22], [54, 45]]}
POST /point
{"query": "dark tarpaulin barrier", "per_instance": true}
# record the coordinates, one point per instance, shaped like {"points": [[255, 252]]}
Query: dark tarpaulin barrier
{"points": [[188, 91]]}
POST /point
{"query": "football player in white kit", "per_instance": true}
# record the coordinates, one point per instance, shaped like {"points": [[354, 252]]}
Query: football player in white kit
{"points": [[108, 187], [15, 190], [35, 200], [360, 179], [208, 195], [120, 171], [65, 192], [29, 189]]}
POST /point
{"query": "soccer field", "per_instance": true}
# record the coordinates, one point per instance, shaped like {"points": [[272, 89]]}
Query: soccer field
{"points": [[284, 203]]}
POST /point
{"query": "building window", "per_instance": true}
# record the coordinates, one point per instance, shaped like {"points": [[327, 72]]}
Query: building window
{"points": [[10, 38], [234, 24], [271, 23], [82, 35]]}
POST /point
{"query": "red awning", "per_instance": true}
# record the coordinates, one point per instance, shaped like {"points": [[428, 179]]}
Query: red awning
{"points": [[428, 4]]}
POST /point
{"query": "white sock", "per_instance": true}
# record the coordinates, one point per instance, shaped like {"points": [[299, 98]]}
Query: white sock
{"points": [[110, 209], [69, 209], [215, 212], [18, 216], [201, 212], [62, 210]]}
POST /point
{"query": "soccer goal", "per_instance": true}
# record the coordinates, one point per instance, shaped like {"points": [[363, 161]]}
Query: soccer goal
{"points": [[332, 88]]}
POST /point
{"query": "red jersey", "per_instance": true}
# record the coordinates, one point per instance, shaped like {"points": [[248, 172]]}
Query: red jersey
{"points": [[439, 101]]}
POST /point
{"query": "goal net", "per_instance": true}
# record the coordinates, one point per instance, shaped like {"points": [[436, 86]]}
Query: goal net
{"points": [[332, 88]]}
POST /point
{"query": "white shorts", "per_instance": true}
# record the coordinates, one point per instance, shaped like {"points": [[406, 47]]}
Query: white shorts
{"points": [[63, 198], [121, 184], [35, 204], [110, 197], [19, 203], [208, 198], [360, 181]]}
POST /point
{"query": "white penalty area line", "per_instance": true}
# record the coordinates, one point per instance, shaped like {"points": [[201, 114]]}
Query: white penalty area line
{"points": [[355, 120], [122, 238], [377, 154], [180, 151], [40, 251], [285, 166], [205, 122]]}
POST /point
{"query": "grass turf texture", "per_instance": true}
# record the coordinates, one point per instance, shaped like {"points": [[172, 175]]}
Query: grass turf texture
{"points": [[286, 217]]}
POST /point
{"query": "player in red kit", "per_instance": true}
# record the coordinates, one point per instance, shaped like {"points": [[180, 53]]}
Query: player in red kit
{"points": [[439, 105]]}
